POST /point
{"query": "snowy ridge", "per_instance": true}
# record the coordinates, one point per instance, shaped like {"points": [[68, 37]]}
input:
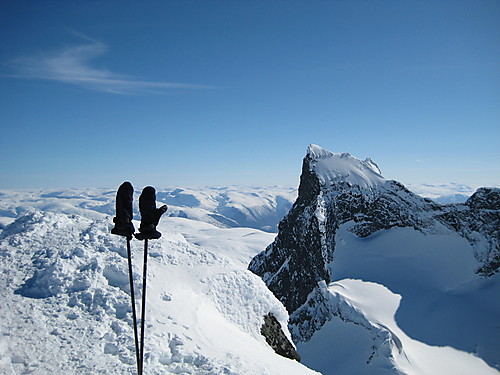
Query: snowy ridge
{"points": [[419, 287], [64, 285], [363, 325], [378, 350], [333, 168], [316, 152]]}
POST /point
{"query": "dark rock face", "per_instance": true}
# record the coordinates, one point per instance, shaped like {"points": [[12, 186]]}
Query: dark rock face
{"points": [[299, 257], [272, 331], [294, 262], [484, 198]]}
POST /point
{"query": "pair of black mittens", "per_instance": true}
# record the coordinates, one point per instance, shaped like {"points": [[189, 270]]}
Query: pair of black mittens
{"points": [[150, 215]]}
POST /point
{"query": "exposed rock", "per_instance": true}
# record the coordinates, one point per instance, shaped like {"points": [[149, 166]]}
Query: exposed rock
{"points": [[272, 331]]}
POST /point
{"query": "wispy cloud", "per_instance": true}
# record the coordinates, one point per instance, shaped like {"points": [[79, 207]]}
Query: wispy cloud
{"points": [[72, 65]]}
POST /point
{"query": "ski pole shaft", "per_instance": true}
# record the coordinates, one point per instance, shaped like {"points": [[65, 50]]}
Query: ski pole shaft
{"points": [[134, 315], [143, 318]]}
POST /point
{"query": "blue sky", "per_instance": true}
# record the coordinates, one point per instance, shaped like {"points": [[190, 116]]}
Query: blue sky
{"points": [[195, 93]]}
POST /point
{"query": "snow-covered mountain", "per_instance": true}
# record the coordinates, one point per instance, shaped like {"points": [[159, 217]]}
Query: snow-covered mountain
{"points": [[378, 280], [64, 292]]}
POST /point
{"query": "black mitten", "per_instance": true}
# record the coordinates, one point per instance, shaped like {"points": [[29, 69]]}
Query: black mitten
{"points": [[123, 218], [150, 215]]}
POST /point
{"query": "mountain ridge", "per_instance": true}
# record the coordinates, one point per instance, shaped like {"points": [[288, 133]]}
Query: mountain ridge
{"points": [[366, 206]]}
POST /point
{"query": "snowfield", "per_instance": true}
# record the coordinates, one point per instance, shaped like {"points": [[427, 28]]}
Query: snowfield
{"points": [[413, 310], [66, 309], [65, 305], [224, 207]]}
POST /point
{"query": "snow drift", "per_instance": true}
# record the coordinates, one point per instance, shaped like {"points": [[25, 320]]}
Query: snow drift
{"points": [[66, 310]]}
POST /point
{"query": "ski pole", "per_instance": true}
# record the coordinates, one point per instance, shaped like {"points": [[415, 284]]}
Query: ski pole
{"points": [[143, 317], [150, 217], [134, 315], [124, 227]]}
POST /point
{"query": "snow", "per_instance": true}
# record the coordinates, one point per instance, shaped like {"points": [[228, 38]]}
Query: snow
{"points": [[378, 306], [416, 296], [405, 302], [316, 152], [332, 168], [254, 207], [260, 208], [444, 193], [64, 289]]}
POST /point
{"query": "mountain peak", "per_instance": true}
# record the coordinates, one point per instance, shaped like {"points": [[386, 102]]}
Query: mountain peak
{"points": [[332, 168], [316, 152]]}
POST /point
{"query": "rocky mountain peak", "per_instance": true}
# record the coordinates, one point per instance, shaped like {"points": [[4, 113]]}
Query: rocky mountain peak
{"points": [[338, 189]]}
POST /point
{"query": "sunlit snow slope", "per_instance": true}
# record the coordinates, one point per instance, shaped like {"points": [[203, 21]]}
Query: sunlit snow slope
{"points": [[65, 305], [406, 303]]}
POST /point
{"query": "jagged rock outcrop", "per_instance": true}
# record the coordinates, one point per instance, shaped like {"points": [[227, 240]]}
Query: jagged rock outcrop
{"points": [[336, 189], [275, 337]]}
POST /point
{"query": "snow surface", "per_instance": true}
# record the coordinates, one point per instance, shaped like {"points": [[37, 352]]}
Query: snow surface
{"points": [[407, 303], [65, 302], [65, 295], [347, 346], [253, 207], [332, 168]]}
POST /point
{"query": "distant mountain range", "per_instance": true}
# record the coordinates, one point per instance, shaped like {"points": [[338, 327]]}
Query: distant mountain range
{"points": [[236, 206]]}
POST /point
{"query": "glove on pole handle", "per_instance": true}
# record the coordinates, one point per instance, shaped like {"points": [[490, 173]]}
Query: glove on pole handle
{"points": [[124, 227], [144, 278], [134, 315]]}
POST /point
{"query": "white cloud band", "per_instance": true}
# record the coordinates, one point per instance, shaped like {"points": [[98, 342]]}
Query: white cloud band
{"points": [[72, 66]]}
